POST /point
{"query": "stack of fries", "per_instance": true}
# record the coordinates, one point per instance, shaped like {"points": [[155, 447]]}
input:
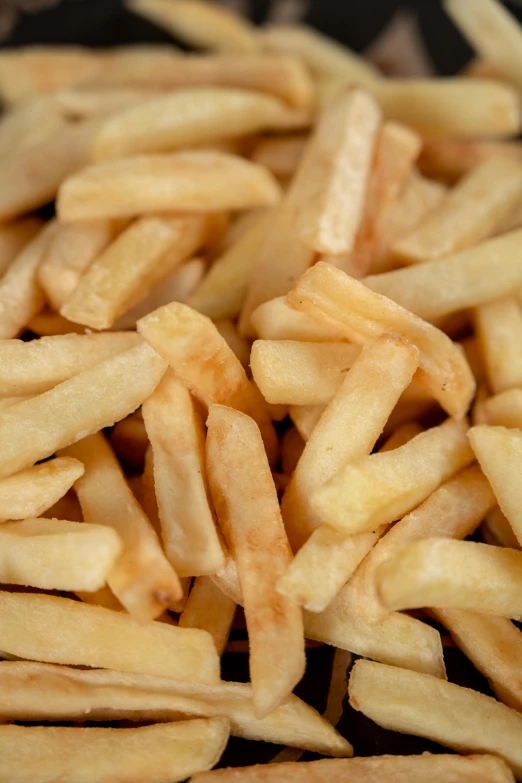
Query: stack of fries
{"points": [[236, 369]]}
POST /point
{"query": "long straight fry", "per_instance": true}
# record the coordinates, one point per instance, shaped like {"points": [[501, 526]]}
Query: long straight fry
{"points": [[32, 491], [498, 326], [504, 409], [275, 320], [209, 608]]}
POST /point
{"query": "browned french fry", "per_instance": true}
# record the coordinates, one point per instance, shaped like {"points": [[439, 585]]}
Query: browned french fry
{"points": [[498, 326], [504, 409], [50, 324], [177, 438], [34, 490], [209, 608], [275, 320], [450, 159], [280, 154], [248, 510], [334, 298], [13, 237]]}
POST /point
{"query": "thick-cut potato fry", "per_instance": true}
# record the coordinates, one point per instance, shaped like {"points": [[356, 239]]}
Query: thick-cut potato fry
{"points": [[129, 440], [241, 347], [34, 490], [248, 510], [496, 530], [425, 768], [404, 433], [8, 402], [498, 326], [381, 488], [165, 753], [36, 691], [71, 632], [103, 597], [70, 253], [504, 409], [190, 181], [275, 320], [13, 238], [331, 296], [476, 208], [493, 645], [188, 118], [454, 574], [21, 297], [96, 398], [200, 24], [450, 159], [142, 580], [299, 373], [425, 706], [280, 154], [198, 354], [177, 437], [454, 510], [349, 427], [29, 368], [209, 608], [142, 254], [55, 554], [50, 324]]}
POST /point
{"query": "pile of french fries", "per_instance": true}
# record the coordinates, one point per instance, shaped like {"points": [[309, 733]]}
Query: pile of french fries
{"points": [[268, 354]]}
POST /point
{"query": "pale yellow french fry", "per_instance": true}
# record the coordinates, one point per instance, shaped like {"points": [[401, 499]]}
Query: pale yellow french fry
{"points": [[102, 597], [450, 159], [188, 118], [85, 102], [150, 248], [248, 510], [504, 409], [50, 324], [36, 428], [96, 637], [425, 706], [55, 554], [209, 608], [200, 24], [454, 510], [71, 251], [331, 296], [404, 433], [496, 530], [300, 373], [36, 691], [195, 350], [493, 645], [21, 297], [312, 218], [223, 289], [34, 490], [130, 441], [453, 574], [306, 418], [381, 488], [190, 181], [241, 347], [281, 155], [28, 123], [29, 368], [386, 769], [13, 238], [177, 437], [498, 326], [275, 320], [142, 579], [8, 402]]}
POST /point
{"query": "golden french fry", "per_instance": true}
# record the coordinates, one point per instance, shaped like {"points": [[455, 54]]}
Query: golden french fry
{"points": [[94, 636], [177, 437], [142, 580], [190, 181], [476, 208], [13, 238], [331, 296], [381, 488], [496, 530], [202, 359], [504, 409], [498, 326], [300, 373], [34, 490], [450, 159], [418, 704], [36, 428], [453, 574], [275, 320], [248, 510], [102, 597], [130, 441], [280, 154], [209, 608]]}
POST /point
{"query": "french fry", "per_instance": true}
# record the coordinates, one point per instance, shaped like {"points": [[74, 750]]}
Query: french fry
{"points": [[306, 418], [142, 580], [28, 123], [29, 368], [332, 297], [13, 237], [496, 530], [380, 488], [165, 753], [241, 348], [67, 507], [147, 250], [50, 324], [195, 350], [453, 574], [454, 510], [130, 441], [191, 181], [85, 102], [300, 373], [504, 409], [36, 428], [280, 154], [450, 159], [36, 691], [498, 326], [386, 769], [102, 597], [493, 645], [404, 433], [209, 608], [8, 402], [475, 209], [96, 637], [417, 704], [55, 554], [275, 320], [248, 510], [34, 490], [176, 433], [349, 427]]}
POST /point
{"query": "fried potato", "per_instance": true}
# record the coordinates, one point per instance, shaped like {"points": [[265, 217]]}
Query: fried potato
{"points": [[450, 159], [84, 102], [504, 409], [275, 320], [34, 490], [28, 123], [498, 326], [209, 608], [13, 238], [496, 530], [306, 418], [280, 154]]}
